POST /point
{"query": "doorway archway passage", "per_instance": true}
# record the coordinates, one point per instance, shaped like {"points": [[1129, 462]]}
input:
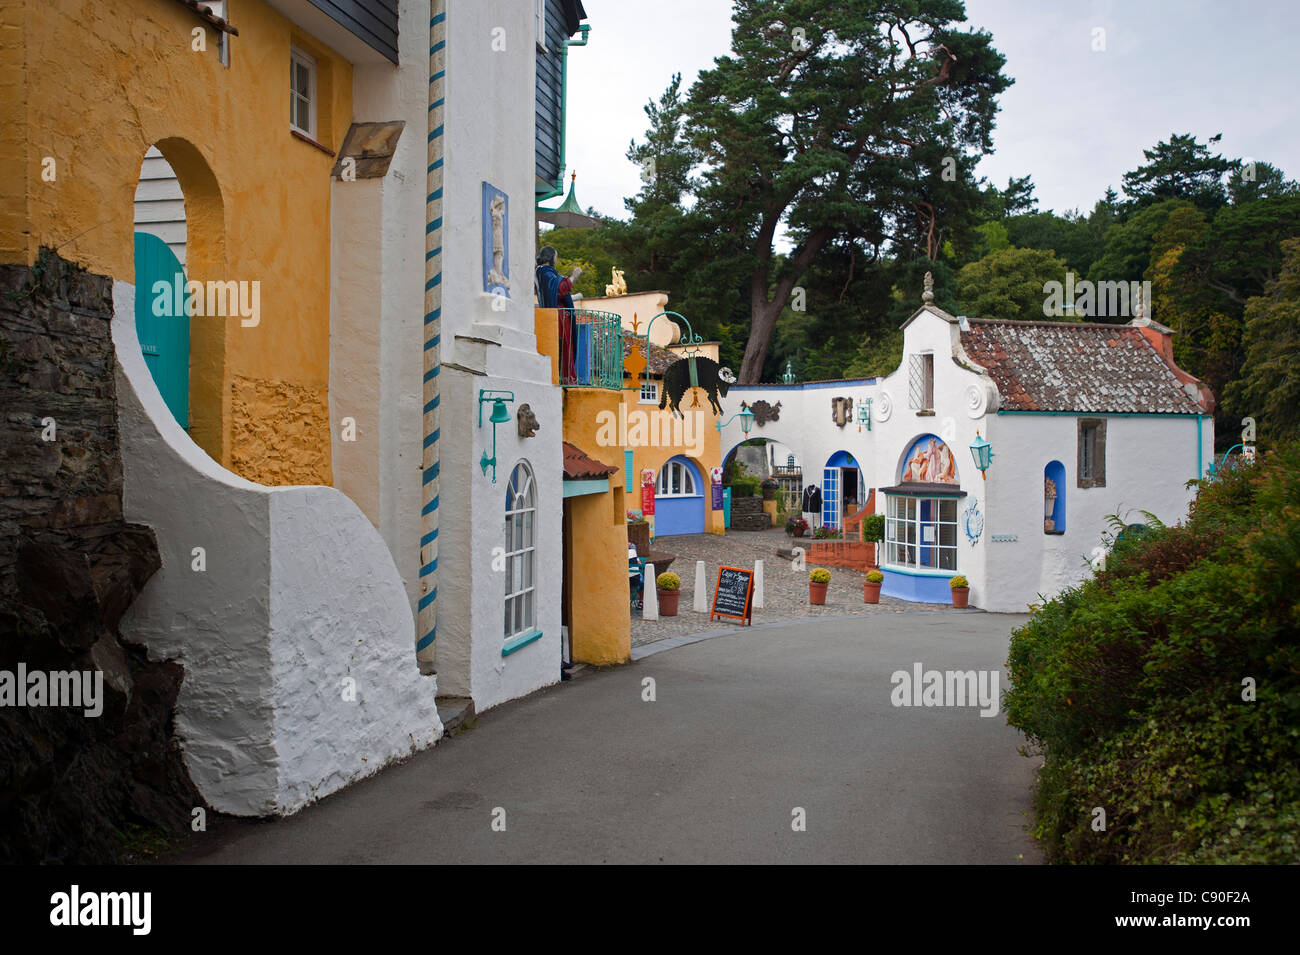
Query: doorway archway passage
{"points": [[843, 488]]}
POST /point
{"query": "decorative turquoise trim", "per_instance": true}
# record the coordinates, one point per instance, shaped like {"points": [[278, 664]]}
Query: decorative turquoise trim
{"points": [[519, 642], [579, 488], [627, 471]]}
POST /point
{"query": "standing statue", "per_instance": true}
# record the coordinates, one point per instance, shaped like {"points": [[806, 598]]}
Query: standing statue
{"points": [[497, 209]]}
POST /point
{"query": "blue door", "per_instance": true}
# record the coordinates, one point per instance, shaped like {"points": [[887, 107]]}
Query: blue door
{"points": [[165, 338], [679, 499]]}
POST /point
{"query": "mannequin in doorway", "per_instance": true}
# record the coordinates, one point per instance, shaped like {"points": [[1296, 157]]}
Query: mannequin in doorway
{"points": [[811, 506]]}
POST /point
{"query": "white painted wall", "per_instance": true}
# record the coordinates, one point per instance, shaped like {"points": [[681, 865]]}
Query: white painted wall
{"points": [[1148, 462], [298, 593], [488, 132]]}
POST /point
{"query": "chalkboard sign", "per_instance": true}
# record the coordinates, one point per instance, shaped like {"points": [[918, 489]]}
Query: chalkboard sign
{"points": [[734, 594]]}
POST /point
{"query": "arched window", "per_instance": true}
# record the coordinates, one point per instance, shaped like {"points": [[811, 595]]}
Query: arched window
{"points": [[675, 480], [521, 551], [1054, 498]]}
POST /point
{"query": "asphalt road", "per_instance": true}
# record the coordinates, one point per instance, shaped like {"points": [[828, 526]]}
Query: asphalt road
{"points": [[745, 729]]}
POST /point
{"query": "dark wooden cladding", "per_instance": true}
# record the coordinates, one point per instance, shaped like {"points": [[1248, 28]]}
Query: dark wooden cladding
{"points": [[374, 22]]}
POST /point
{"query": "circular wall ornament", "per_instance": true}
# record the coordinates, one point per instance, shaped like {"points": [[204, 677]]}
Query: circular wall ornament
{"points": [[974, 521], [884, 406], [977, 400]]}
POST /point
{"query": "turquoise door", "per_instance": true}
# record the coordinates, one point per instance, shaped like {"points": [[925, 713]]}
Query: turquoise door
{"points": [[165, 338]]}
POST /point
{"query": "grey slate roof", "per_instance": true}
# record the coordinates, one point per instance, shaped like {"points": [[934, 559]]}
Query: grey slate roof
{"points": [[1068, 366]]}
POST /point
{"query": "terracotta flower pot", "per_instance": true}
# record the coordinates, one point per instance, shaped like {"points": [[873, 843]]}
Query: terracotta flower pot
{"points": [[871, 592], [960, 596], [816, 593], [797, 532], [668, 602]]}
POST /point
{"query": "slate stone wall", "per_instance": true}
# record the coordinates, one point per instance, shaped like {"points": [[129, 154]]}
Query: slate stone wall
{"points": [[74, 788]]}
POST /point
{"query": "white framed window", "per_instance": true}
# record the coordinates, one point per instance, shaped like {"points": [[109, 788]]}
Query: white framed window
{"points": [[302, 92], [921, 532], [649, 393], [521, 551], [920, 382], [541, 24], [675, 480]]}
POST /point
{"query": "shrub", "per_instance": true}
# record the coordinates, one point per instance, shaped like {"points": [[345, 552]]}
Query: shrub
{"points": [[873, 527], [1131, 686], [635, 517], [668, 581], [958, 582], [874, 577], [826, 533], [820, 575]]}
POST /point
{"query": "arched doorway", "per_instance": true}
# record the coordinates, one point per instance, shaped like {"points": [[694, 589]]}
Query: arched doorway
{"points": [[679, 498], [843, 488], [161, 318], [180, 235]]}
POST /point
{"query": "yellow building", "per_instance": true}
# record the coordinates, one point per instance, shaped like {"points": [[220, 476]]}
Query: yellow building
{"points": [[616, 437], [214, 99]]}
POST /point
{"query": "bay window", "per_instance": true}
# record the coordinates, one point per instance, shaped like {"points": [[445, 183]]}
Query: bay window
{"points": [[921, 533]]}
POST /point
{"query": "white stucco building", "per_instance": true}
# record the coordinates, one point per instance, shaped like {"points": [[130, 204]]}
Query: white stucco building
{"points": [[1102, 411], [300, 631]]}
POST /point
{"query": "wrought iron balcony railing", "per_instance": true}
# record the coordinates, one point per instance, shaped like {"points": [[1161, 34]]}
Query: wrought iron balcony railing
{"points": [[591, 349]]}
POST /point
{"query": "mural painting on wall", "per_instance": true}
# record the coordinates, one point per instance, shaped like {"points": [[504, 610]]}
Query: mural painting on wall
{"points": [[765, 412], [929, 461]]}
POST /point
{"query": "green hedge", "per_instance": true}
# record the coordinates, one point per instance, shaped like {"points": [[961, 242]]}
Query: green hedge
{"points": [[1131, 686]]}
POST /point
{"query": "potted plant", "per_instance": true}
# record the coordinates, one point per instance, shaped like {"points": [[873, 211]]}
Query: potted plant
{"points": [[638, 532], [960, 590], [873, 532], [871, 586], [669, 588], [796, 527], [769, 488], [817, 582]]}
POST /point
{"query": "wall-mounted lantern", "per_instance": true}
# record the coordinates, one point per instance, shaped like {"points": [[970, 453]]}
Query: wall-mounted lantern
{"points": [[982, 452], [746, 420], [500, 415], [864, 414]]}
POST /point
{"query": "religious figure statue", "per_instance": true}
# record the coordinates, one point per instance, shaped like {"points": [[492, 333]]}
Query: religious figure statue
{"points": [[497, 209]]}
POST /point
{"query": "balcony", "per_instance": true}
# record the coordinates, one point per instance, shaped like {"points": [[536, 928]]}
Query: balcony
{"points": [[590, 349]]}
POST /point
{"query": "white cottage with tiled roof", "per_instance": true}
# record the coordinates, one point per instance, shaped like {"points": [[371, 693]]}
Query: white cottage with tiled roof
{"points": [[1082, 421]]}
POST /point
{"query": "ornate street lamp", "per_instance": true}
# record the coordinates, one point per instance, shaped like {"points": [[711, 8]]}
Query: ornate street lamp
{"points": [[982, 452]]}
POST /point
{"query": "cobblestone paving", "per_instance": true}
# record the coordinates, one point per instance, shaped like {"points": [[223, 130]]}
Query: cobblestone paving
{"points": [[785, 590]]}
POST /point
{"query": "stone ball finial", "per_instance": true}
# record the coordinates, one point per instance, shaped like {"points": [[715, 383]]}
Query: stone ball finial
{"points": [[928, 295]]}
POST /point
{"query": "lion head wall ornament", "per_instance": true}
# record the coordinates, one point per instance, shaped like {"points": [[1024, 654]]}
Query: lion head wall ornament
{"points": [[527, 422]]}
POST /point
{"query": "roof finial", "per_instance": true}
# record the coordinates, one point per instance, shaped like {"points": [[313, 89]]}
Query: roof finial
{"points": [[928, 295]]}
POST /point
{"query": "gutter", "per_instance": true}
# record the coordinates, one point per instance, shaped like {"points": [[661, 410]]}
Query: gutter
{"points": [[558, 188]]}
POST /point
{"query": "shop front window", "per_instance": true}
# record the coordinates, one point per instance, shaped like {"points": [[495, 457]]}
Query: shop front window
{"points": [[921, 533]]}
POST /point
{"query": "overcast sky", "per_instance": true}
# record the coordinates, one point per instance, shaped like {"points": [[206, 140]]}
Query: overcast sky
{"points": [[1075, 119]]}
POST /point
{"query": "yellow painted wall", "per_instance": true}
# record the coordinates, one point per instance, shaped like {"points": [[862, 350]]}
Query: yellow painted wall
{"points": [[596, 553], [97, 84], [596, 541]]}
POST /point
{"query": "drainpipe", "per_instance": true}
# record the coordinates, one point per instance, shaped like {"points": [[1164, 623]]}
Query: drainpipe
{"points": [[426, 616], [558, 189]]}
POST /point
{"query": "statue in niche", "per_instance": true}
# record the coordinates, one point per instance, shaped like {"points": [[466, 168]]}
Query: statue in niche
{"points": [[497, 209]]}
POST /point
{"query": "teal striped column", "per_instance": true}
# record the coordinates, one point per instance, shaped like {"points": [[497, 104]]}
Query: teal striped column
{"points": [[426, 618]]}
